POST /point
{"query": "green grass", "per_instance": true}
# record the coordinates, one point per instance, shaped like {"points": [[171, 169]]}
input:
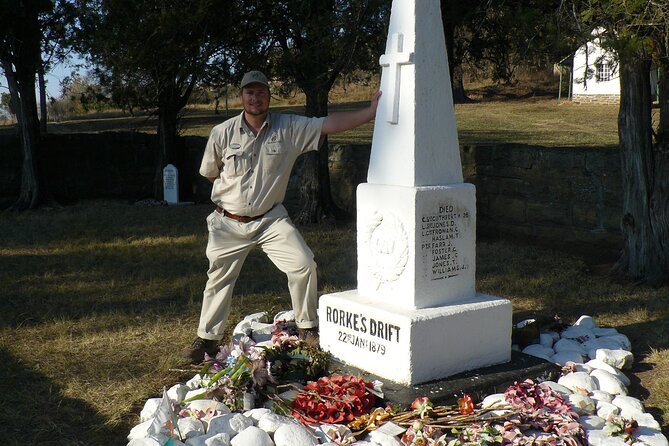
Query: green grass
{"points": [[98, 299]]}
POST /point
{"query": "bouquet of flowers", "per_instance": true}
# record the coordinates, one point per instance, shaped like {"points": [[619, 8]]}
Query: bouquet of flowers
{"points": [[336, 399]]}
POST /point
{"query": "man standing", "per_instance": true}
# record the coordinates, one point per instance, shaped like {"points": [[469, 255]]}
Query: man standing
{"points": [[248, 159]]}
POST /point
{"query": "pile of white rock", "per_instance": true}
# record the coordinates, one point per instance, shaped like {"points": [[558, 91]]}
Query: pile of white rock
{"points": [[255, 427], [596, 388]]}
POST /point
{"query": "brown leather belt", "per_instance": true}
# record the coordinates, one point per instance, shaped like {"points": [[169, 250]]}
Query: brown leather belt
{"points": [[239, 218]]}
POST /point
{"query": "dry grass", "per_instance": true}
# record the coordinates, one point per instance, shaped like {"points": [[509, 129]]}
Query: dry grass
{"points": [[507, 115], [538, 122], [99, 298]]}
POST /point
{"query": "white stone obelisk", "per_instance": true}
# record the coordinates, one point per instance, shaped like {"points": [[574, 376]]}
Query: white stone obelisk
{"points": [[416, 316]]}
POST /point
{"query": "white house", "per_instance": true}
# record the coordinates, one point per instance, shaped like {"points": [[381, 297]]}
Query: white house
{"points": [[595, 75]]}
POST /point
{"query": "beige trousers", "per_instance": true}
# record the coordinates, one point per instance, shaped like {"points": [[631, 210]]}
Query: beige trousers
{"points": [[230, 242]]}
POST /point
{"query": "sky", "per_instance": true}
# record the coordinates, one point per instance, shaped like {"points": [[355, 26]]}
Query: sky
{"points": [[53, 79]]}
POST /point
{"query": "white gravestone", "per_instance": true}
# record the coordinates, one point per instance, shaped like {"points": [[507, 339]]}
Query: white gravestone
{"points": [[416, 316], [171, 184]]}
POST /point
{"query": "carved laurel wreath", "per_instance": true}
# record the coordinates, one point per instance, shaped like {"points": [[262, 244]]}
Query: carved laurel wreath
{"points": [[386, 246]]}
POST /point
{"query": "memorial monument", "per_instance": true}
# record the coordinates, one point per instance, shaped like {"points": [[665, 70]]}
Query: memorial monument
{"points": [[171, 184], [415, 316]]}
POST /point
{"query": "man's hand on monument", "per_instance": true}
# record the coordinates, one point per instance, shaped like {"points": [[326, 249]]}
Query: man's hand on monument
{"points": [[342, 121], [375, 101]]}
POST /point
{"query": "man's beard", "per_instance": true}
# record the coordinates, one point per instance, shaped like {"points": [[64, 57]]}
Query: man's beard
{"points": [[255, 113]]}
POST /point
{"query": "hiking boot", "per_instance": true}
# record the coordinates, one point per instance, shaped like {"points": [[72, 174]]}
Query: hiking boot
{"points": [[309, 336], [195, 353]]}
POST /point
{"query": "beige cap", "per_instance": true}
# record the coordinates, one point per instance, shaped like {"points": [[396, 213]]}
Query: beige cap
{"points": [[254, 77]]}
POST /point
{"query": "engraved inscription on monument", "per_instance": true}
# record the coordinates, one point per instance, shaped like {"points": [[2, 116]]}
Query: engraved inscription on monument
{"points": [[441, 232]]}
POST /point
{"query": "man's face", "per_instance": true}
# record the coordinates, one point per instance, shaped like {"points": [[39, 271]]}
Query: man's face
{"points": [[255, 99]]}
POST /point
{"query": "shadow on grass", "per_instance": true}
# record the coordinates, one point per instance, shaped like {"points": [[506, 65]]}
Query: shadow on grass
{"points": [[646, 337], [54, 419], [74, 286]]}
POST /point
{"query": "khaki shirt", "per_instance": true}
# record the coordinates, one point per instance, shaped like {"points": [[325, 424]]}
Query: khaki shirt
{"points": [[252, 172]]}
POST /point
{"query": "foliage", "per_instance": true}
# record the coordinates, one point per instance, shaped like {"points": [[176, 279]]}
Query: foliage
{"points": [[534, 414], [6, 103], [422, 406], [498, 37], [295, 362], [236, 369], [420, 434], [313, 43], [81, 95], [146, 49], [542, 408], [151, 54], [510, 34], [617, 426], [242, 367]]}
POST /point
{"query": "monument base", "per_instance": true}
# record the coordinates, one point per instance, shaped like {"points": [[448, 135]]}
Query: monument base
{"points": [[477, 383], [415, 346]]}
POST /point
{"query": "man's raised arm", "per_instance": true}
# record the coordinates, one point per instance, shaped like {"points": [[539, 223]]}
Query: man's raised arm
{"points": [[342, 121]]}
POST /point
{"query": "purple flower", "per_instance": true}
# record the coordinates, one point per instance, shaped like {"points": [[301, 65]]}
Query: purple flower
{"points": [[245, 346], [223, 352], [215, 363], [259, 373]]}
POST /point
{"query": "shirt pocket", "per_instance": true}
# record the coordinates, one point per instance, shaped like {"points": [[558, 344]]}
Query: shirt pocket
{"points": [[277, 154], [235, 162]]}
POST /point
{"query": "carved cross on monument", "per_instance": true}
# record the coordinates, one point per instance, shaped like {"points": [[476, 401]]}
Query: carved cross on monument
{"points": [[394, 62]]}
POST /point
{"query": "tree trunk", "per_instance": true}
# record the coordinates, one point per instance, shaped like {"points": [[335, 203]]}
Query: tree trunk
{"points": [[454, 63], [645, 220], [22, 91], [316, 203], [167, 144], [663, 85], [42, 100]]}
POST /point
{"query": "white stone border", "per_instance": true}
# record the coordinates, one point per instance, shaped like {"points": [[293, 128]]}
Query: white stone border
{"points": [[596, 388]]}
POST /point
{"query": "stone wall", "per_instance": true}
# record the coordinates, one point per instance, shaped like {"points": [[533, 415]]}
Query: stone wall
{"points": [[553, 195], [102, 165], [596, 98], [557, 195]]}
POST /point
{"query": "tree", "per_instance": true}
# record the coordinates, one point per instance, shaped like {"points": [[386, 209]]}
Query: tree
{"points": [[152, 53], [27, 27], [6, 104], [637, 31], [56, 26], [20, 37], [317, 41], [500, 36]]}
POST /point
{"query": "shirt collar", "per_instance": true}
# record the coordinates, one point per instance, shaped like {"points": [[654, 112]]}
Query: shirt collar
{"points": [[243, 126]]}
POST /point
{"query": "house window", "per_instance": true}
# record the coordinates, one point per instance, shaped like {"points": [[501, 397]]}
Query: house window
{"points": [[603, 72]]}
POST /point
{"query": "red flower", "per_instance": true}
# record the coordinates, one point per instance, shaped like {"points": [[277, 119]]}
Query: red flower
{"points": [[333, 399], [422, 406], [466, 405]]}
